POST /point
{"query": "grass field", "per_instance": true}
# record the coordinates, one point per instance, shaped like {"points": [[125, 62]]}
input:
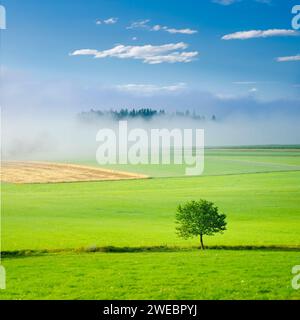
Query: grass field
{"points": [[259, 191], [213, 274], [225, 161]]}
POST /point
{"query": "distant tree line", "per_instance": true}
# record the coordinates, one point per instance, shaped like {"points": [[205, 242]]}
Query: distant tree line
{"points": [[143, 113]]}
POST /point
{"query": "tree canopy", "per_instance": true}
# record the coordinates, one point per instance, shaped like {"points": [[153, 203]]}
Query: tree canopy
{"points": [[199, 218]]}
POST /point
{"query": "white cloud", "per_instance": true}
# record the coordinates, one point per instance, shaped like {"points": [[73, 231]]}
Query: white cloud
{"points": [[289, 58], [148, 53], [182, 31], [111, 20], [224, 2], [139, 24], [134, 38], [172, 57], [244, 35], [150, 89], [157, 27], [84, 52], [144, 25]]}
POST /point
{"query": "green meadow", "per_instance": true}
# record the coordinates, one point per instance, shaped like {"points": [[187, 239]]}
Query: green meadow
{"points": [[117, 240], [213, 274], [224, 161]]}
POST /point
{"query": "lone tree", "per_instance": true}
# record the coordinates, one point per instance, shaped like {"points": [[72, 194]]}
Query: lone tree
{"points": [[199, 218]]}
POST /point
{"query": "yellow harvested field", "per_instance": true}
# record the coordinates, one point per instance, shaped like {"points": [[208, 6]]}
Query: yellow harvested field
{"points": [[47, 172]]}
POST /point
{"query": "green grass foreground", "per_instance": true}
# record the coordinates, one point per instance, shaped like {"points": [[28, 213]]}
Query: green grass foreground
{"points": [[116, 240], [213, 274]]}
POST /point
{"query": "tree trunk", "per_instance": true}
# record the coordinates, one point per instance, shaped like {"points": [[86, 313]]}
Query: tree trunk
{"points": [[201, 242]]}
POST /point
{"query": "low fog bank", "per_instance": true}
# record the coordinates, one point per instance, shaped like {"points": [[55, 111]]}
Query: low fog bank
{"points": [[46, 137], [39, 117]]}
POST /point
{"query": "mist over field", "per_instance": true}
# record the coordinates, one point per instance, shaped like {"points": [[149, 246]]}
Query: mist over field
{"points": [[50, 138], [40, 117]]}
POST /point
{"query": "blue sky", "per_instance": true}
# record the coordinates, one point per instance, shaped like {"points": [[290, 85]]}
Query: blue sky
{"points": [[206, 59]]}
